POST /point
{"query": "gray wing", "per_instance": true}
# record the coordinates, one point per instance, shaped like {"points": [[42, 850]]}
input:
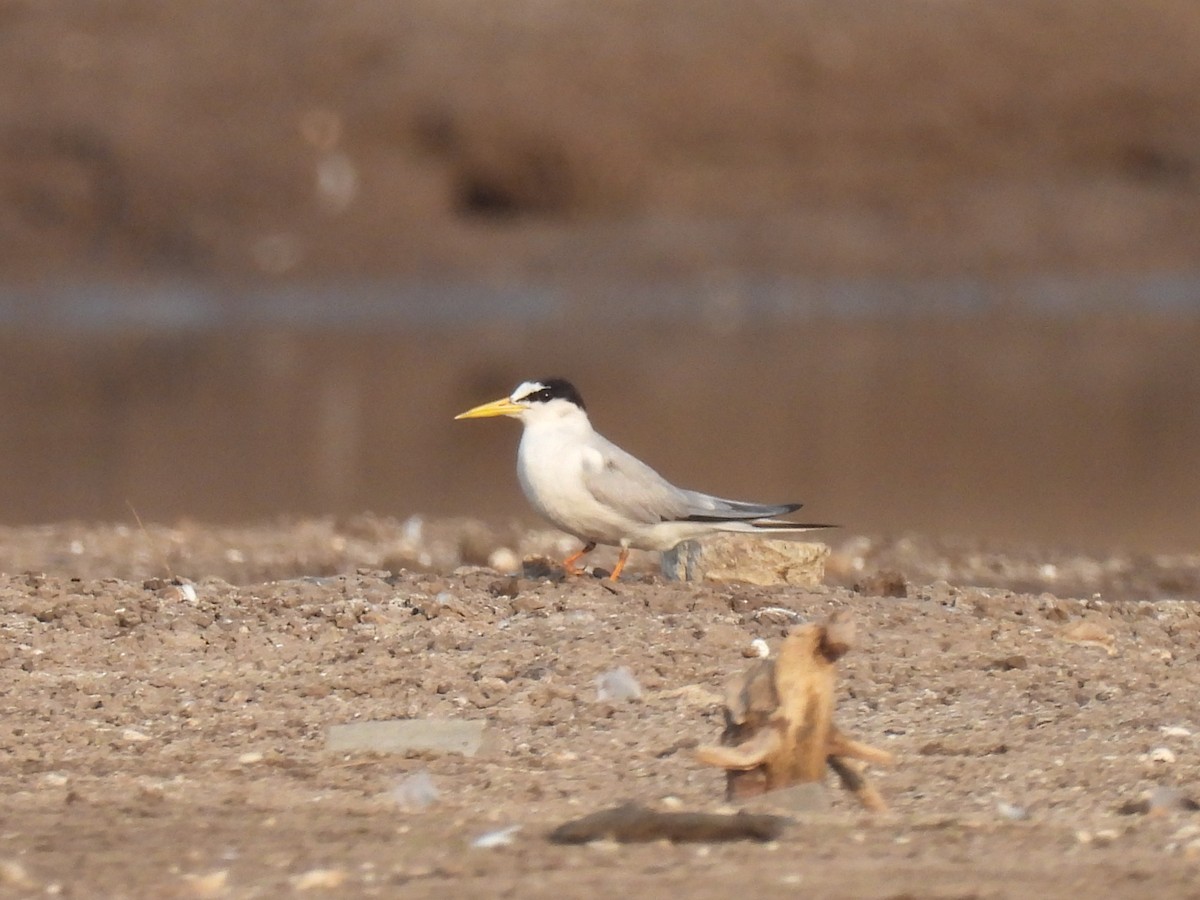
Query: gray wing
{"points": [[626, 484], [705, 507]]}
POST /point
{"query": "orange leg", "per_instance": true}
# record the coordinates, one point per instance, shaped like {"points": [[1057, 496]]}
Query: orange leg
{"points": [[569, 562], [621, 560]]}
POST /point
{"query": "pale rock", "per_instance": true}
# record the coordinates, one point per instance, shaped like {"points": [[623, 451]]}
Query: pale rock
{"points": [[214, 884], [416, 792], [504, 560], [747, 559], [1161, 755], [1187, 832], [501, 837], [319, 880], [14, 874], [1011, 811], [618, 684], [693, 695], [1090, 634], [758, 649]]}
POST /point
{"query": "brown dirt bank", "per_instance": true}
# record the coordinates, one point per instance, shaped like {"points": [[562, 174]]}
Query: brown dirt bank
{"points": [[158, 746], [227, 140]]}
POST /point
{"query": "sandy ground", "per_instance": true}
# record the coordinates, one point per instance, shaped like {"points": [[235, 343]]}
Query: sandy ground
{"points": [[156, 745]]}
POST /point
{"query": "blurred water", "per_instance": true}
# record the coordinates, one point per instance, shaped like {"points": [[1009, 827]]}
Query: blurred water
{"points": [[721, 300], [1064, 409]]}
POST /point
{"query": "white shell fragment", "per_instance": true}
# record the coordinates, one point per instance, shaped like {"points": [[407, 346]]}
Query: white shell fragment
{"points": [[618, 684], [501, 837], [1161, 755], [416, 792]]}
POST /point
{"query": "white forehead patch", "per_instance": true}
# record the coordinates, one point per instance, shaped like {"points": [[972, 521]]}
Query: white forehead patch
{"points": [[525, 389]]}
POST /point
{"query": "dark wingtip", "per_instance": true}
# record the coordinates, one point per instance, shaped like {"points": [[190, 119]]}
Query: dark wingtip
{"points": [[783, 526], [781, 509]]}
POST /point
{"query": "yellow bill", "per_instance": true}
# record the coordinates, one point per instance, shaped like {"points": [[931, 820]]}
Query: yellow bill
{"points": [[501, 407]]}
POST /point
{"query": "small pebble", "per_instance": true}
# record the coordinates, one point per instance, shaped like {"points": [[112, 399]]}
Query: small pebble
{"points": [[319, 879], [1187, 832], [13, 874], [413, 530], [1012, 811], [501, 837], [1091, 634], [1008, 663], [416, 792], [777, 615], [1163, 798], [504, 560], [211, 885], [1101, 838], [618, 684], [1155, 802]]}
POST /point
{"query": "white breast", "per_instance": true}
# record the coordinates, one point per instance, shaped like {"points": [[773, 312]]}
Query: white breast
{"points": [[550, 465]]}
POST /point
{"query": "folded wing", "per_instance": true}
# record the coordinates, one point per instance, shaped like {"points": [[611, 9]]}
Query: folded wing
{"points": [[627, 485]]}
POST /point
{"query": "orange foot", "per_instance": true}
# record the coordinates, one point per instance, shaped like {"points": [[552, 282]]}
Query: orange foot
{"points": [[569, 562], [624, 558]]}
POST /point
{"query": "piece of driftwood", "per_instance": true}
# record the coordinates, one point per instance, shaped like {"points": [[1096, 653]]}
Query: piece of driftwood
{"points": [[779, 727], [631, 824]]}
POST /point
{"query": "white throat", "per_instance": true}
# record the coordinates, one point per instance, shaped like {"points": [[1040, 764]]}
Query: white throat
{"points": [[558, 414]]}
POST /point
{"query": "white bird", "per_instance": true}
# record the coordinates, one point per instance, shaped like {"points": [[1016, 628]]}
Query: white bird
{"points": [[589, 487]]}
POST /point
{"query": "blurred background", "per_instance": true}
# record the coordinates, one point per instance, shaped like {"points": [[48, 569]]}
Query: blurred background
{"points": [[930, 267]]}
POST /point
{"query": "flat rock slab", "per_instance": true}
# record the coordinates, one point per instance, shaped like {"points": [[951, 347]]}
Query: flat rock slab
{"points": [[634, 824], [747, 559], [405, 735]]}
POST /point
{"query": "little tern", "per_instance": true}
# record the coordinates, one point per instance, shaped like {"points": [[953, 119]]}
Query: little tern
{"points": [[589, 487]]}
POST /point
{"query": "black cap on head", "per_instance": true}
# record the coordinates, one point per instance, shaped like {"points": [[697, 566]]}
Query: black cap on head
{"points": [[546, 389]]}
